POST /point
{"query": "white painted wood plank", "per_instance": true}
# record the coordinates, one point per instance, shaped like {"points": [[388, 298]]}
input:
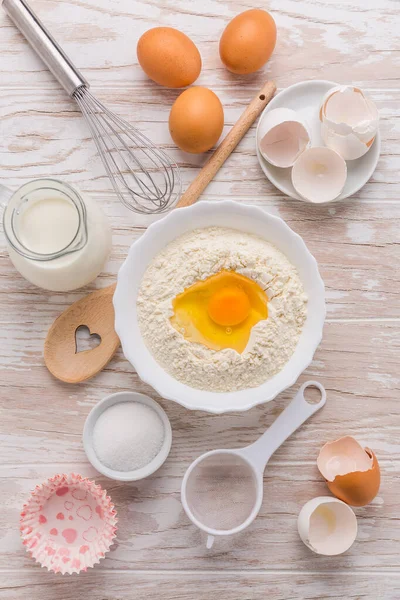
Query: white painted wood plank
{"points": [[155, 533], [100, 585], [352, 41], [43, 134], [158, 553], [43, 418]]}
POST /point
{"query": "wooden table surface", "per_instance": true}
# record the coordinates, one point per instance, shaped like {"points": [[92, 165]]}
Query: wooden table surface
{"points": [[159, 553]]}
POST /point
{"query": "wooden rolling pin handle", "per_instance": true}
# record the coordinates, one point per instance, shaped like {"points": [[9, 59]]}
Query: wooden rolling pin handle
{"points": [[227, 145]]}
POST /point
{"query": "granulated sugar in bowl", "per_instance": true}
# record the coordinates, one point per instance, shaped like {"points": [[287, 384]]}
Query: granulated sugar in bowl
{"points": [[127, 436]]}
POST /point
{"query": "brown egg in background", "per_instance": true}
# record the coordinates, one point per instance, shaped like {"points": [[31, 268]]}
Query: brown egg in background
{"points": [[351, 472], [169, 57], [248, 41]]}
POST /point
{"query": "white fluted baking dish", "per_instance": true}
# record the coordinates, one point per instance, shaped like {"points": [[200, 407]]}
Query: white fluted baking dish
{"points": [[244, 218]]}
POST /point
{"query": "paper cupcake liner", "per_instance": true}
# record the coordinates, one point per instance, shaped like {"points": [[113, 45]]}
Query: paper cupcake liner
{"points": [[68, 524]]}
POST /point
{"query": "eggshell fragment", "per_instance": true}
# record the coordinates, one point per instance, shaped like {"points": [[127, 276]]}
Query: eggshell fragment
{"points": [[319, 175], [169, 57], [327, 526], [282, 136], [351, 472], [349, 121]]}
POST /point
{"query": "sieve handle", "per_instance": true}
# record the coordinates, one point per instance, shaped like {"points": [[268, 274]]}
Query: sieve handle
{"points": [[294, 415], [45, 45]]}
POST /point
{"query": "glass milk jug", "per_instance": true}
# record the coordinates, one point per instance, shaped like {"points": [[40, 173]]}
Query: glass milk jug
{"points": [[58, 238]]}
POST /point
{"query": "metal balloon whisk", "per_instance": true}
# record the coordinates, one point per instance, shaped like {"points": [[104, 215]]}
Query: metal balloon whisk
{"points": [[143, 176]]}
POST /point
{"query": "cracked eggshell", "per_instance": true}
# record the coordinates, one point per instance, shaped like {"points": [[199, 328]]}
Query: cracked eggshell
{"points": [[282, 136], [319, 175], [351, 472], [349, 121], [327, 526]]}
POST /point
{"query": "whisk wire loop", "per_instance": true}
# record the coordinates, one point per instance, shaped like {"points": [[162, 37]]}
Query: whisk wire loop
{"points": [[142, 175]]}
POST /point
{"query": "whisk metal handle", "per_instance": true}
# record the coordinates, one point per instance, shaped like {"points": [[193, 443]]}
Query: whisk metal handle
{"points": [[45, 45]]}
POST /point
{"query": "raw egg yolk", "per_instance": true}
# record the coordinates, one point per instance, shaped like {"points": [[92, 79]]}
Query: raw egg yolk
{"points": [[229, 306], [220, 311]]}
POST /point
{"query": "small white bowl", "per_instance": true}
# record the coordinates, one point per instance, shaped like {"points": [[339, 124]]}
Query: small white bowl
{"points": [[234, 215], [88, 437]]}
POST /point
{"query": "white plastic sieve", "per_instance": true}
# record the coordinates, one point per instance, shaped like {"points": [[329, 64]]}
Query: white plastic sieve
{"points": [[222, 491]]}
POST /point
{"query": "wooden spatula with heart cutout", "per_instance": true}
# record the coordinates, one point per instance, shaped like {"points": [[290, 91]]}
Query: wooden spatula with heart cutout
{"points": [[96, 312]]}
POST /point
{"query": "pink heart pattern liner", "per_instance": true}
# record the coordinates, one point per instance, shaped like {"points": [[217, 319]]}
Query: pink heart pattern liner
{"points": [[68, 523]]}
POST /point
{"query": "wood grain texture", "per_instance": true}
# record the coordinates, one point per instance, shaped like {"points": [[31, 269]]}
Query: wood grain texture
{"points": [[350, 40], [44, 134], [62, 408], [155, 534], [181, 585], [158, 553]]}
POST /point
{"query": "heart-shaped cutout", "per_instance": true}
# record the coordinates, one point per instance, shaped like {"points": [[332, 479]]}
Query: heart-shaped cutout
{"points": [[84, 340]]}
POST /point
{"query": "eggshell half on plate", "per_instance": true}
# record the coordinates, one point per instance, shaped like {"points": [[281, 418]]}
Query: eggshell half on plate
{"points": [[351, 472], [327, 526], [282, 136], [349, 121], [319, 175]]}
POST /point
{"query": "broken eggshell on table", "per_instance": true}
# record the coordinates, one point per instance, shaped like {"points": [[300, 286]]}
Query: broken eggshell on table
{"points": [[327, 526], [351, 472]]}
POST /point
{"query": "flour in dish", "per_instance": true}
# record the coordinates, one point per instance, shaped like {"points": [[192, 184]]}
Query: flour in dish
{"points": [[194, 257]]}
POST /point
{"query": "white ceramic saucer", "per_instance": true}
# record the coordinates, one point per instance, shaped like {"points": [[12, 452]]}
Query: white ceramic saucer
{"points": [[306, 98]]}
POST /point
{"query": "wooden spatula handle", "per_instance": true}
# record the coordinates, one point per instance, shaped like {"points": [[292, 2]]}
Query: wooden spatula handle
{"points": [[227, 145]]}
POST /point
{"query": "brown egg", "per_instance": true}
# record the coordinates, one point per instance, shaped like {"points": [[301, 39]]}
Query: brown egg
{"points": [[196, 120], [169, 57], [248, 41], [351, 472]]}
